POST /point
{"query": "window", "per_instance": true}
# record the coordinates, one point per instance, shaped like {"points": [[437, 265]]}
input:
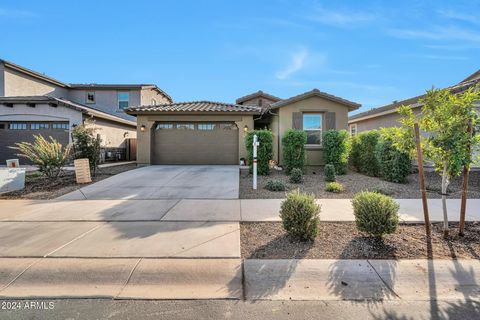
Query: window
{"points": [[17, 126], [2, 125], [186, 126], [353, 129], [59, 125], [206, 126], [123, 98], [163, 126], [312, 125], [154, 102], [90, 98], [38, 126]]}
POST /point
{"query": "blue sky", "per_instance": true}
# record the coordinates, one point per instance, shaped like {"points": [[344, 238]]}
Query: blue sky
{"points": [[371, 52]]}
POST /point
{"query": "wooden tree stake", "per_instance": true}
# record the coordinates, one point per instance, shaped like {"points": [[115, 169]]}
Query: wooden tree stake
{"points": [[421, 178], [463, 205]]}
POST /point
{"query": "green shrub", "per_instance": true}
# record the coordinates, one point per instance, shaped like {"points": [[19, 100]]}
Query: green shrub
{"points": [[275, 185], [264, 150], [296, 175], [375, 214], [383, 190], [49, 155], [86, 144], [329, 172], [335, 149], [394, 165], [334, 187], [300, 215], [363, 153], [354, 154], [293, 143]]}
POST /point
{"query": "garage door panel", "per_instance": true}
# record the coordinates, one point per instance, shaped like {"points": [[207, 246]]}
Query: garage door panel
{"points": [[177, 146]]}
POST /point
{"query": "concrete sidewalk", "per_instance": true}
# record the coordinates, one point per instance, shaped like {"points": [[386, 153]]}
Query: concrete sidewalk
{"points": [[208, 210], [374, 280]]}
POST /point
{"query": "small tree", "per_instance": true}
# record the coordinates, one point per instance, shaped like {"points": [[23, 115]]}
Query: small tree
{"points": [[86, 144], [49, 155], [264, 150], [294, 149], [335, 149]]}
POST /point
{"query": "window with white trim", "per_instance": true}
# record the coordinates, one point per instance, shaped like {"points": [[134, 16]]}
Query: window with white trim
{"points": [[353, 129], [38, 126], [123, 98], [312, 125], [90, 97], [17, 126]]}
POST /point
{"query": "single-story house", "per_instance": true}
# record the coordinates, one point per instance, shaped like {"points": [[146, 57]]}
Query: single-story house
{"points": [[387, 116], [205, 132]]}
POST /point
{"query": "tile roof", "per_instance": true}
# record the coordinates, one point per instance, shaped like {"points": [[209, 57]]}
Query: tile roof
{"points": [[315, 92], [195, 106], [259, 93]]}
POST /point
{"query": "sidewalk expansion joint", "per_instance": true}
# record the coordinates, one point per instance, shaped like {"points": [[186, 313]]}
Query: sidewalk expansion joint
{"points": [[20, 274], [128, 279], [73, 240], [383, 281]]}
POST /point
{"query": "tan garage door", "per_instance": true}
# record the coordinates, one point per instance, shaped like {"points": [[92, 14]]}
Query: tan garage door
{"points": [[195, 143]]}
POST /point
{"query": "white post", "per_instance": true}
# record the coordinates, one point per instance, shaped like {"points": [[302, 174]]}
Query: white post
{"points": [[255, 145]]}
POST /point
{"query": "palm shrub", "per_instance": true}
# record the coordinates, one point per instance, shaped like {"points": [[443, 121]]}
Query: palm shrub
{"points": [[293, 143], [375, 214], [296, 175], [49, 155], [264, 150], [300, 215], [335, 149], [86, 144], [329, 172], [394, 165], [275, 185]]}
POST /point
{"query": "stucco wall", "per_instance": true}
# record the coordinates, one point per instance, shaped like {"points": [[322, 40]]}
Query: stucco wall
{"points": [[383, 121], [144, 139], [256, 101], [113, 134], [2, 79], [283, 121], [106, 100], [19, 84], [148, 94]]}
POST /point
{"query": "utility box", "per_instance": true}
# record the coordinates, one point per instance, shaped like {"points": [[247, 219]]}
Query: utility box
{"points": [[12, 179], [82, 170]]}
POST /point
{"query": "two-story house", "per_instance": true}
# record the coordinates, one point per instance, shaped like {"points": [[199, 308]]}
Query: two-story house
{"points": [[32, 103]]}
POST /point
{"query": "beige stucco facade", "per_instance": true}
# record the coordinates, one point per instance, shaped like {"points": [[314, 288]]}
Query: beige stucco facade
{"points": [[144, 138], [283, 117], [16, 83], [390, 119], [113, 134]]}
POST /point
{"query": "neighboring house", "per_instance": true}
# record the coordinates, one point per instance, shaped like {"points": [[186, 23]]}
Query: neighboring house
{"points": [[387, 116], [32, 103], [203, 132]]}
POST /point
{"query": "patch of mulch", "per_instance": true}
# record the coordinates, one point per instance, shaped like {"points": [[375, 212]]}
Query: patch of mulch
{"points": [[353, 182], [268, 240], [38, 187]]}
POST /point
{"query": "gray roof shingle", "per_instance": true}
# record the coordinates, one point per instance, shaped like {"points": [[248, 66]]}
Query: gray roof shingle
{"points": [[195, 106]]}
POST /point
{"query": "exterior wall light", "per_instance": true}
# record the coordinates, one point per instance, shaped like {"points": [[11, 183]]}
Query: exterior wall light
{"points": [[142, 128], [245, 129]]}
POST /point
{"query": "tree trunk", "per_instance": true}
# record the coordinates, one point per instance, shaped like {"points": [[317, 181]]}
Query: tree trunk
{"points": [[445, 183]]}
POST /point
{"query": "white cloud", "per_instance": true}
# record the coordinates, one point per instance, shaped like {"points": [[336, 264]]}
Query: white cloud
{"points": [[438, 33], [297, 63], [455, 15], [345, 19]]}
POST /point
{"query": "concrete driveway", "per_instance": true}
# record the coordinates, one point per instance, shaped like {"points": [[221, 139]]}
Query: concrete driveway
{"points": [[164, 182]]}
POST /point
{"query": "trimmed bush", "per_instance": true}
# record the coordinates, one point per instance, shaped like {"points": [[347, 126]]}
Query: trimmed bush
{"points": [[363, 153], [296, 175], [264, 150], [335, 149], [329, 172], [293, 143], [86, 144], [300, 215], [334, 187], [375, 214], [394, 165], [275, 185]]}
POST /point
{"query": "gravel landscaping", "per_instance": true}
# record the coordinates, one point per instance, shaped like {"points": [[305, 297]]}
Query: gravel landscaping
{"points": [[268, 240], [354, 182], [38, 187]]}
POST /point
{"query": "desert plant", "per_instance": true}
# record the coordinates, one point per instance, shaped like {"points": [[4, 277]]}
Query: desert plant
{"points": [[294, 149], [86, 144], [49, 155], [394, 165], [335, 149], [296, 175], [363, 153], [334, 187], [275, 185], [300, 215], [375, 213], [264, 150], [329, 172]]}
